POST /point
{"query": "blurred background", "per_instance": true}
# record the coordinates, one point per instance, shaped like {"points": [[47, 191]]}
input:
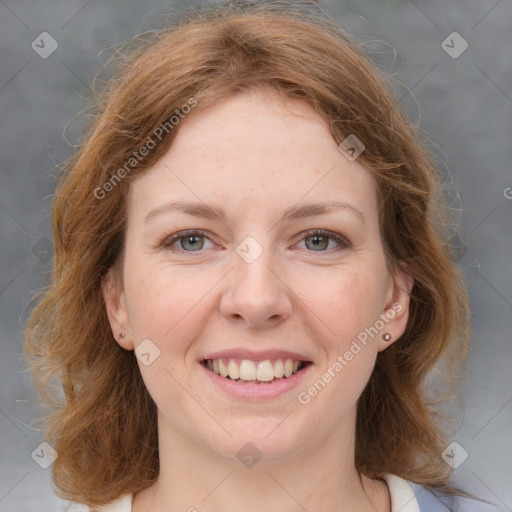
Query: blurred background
{"points": [[455, 58]]}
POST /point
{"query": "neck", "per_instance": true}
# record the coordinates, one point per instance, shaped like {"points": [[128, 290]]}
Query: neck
{"points": [[318, 476]]}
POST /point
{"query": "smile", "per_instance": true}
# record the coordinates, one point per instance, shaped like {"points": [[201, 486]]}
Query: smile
{"points": [[254, 372]]}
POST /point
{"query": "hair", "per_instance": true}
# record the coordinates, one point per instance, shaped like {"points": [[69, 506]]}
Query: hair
{"points": [[104, 426]]}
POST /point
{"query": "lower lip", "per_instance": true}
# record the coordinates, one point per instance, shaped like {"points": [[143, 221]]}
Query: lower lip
{"points": [[255, 391]]}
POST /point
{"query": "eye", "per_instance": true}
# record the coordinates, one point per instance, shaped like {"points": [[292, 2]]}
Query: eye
{"points": [[318, 240], [189, 241], [193, 241]]}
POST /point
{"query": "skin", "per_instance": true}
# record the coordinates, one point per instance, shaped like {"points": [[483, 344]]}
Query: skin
{"points": [[255, 155]]}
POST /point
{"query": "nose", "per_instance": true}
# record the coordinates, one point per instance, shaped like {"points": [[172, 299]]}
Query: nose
{"points": [[256, 292]]}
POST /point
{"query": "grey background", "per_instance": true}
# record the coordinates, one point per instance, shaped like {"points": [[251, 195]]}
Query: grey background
{"points": [[466, 110]]}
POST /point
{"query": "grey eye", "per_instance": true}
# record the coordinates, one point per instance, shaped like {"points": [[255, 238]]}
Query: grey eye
{"points": [[318, 242], [194, 242]]}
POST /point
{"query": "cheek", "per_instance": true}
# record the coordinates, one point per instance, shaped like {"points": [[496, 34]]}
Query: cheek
{"points": [[343, 306], [344, 301], [168, 306]]}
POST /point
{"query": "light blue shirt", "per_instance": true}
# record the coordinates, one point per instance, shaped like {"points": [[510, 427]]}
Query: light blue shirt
{"points": [[432, 501]]}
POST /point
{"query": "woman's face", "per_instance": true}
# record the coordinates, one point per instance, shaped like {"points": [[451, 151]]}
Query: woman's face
{"points": [[254, 285]]}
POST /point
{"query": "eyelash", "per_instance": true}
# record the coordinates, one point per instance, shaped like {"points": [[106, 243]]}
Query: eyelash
{"points": [[167, 242]]}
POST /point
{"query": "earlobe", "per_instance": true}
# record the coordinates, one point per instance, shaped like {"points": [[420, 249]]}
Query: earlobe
{"points": [[396, 311], [117, 313]]}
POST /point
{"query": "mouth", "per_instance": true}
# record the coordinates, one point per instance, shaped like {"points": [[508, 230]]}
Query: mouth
{"points": [[247, 371]]}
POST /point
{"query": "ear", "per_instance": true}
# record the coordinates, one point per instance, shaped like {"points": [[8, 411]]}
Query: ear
{"points": [[396, 309], [117, 312]]}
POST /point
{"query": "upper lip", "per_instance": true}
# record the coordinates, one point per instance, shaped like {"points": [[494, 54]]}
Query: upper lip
{"points": [[240, 353]]}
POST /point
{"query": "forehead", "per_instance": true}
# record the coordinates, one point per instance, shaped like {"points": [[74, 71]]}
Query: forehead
{"points": [[254, 150]]}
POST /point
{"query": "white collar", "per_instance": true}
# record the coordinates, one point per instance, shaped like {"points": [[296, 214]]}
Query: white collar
{"points": [[402, 495]]}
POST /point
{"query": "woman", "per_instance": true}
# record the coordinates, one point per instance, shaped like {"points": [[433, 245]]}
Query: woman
{"points": [[252, 283]]}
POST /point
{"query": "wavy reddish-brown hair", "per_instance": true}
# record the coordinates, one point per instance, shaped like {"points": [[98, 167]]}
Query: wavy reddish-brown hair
{"points": [[103, 426]]}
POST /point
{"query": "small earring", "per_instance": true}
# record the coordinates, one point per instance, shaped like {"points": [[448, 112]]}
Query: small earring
{"points": [[386, 337], [122, 335]]}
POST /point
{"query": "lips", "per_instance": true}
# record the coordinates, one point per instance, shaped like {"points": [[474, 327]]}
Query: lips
{"points": [[244, 366], [255, 391]]}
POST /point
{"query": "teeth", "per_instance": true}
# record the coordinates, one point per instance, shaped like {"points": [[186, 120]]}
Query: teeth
{"points": [[265, 371], [223, 369], [233, 370], [288, 368], [278, 369], [247, 370]]}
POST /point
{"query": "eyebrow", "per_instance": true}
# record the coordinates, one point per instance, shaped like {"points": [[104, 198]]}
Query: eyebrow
{"points": [[216, 212]]}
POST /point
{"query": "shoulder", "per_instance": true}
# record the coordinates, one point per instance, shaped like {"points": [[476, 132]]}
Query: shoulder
{"points": [[410, 497], [430, 500]]}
